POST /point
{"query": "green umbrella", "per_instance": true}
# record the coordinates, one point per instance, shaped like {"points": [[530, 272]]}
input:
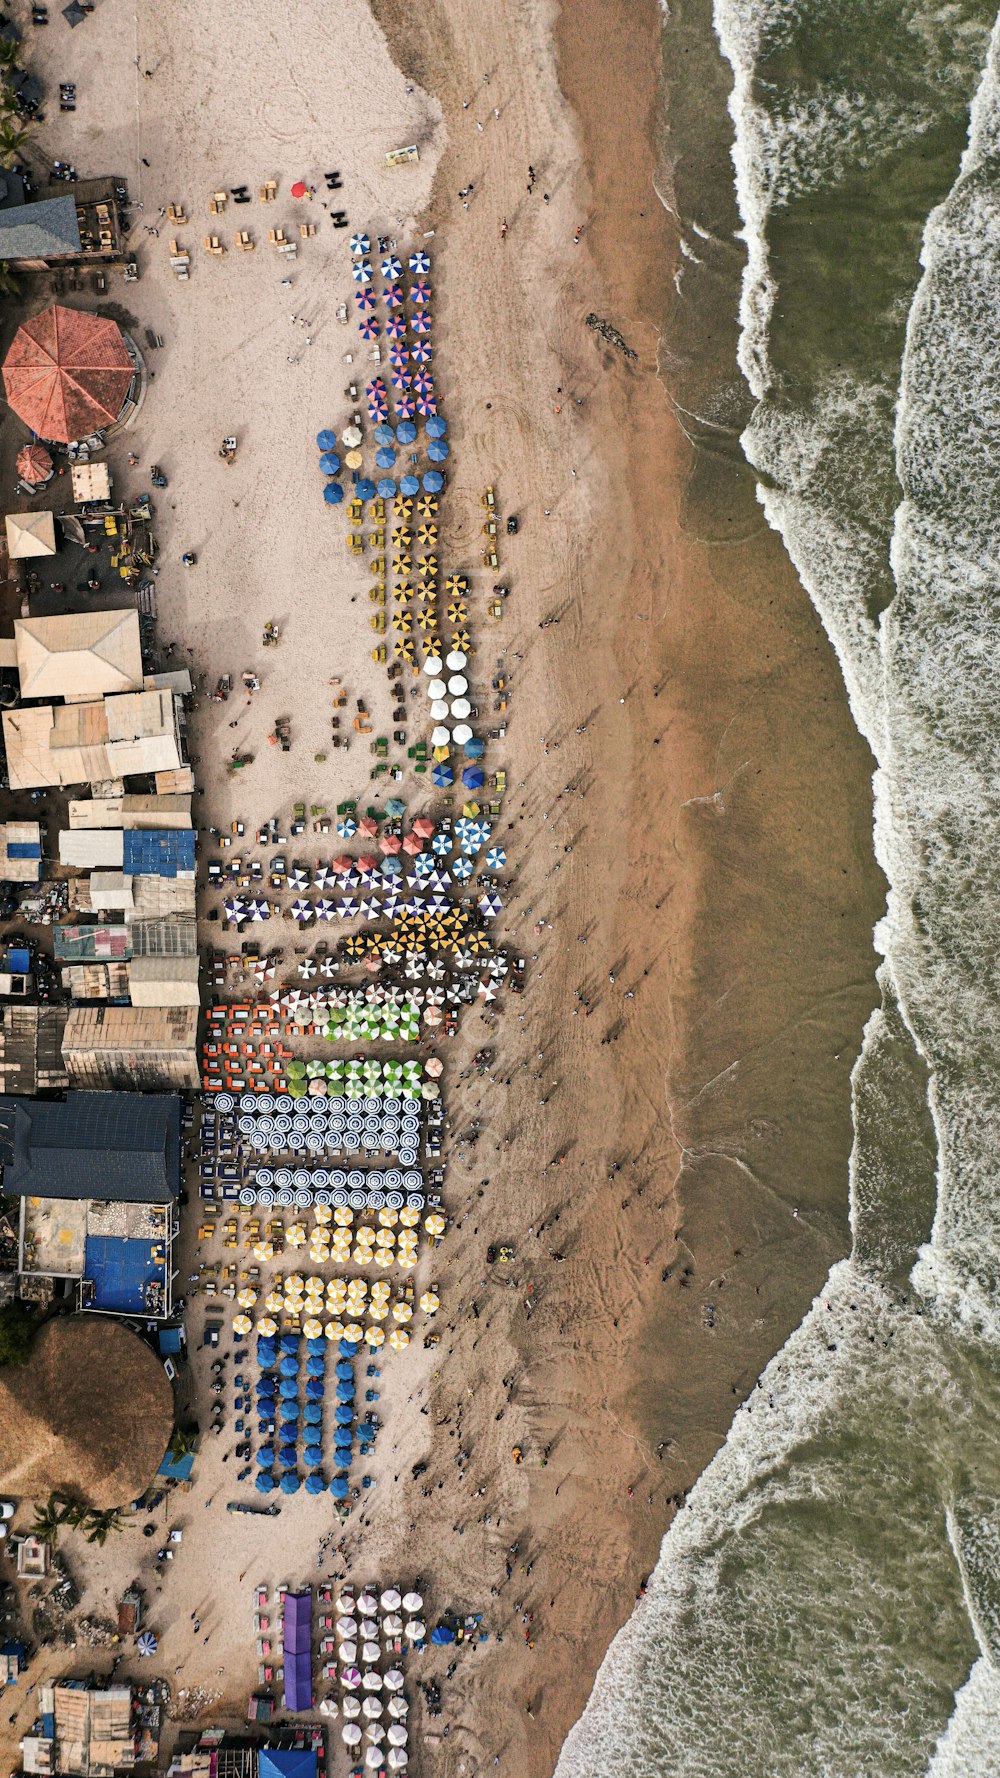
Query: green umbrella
{"points": [[297, 1089], [335, 1071], [295, 1070], [392, 1073]]}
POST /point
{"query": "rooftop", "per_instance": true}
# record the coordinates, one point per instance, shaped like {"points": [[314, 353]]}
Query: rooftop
{"points": [[44, 230], [85, 655], [112, 1146]]}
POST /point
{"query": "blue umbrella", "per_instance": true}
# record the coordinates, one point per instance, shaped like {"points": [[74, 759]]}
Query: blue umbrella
{"points": [[290, 1483], [288, 1388], [434, 481], [315, 1484], [438, 450], [442, 774], [326, 440], [289, 1345], [333, 493], [339, 1487], [312, 1414], [344, 1369], [288, 1431], [384, 433], [315, 1367], [348, 1348], [288, 1457], [437, 425], [462, 868], [475, 748], [441, 1633], [391, 867], [409, 484], [345, 1390], [344, 1415], [288, 1367], [473, 777], [315, 1389], [406, 432], [315, 1348], [385, 456], [329, 463], [147, 1643], [387, 487], [266, 1360], [343, 1436], [496, 857], [265, 1484], [312, 1455], [264, 1459], [364, 489], [265, 1386]]}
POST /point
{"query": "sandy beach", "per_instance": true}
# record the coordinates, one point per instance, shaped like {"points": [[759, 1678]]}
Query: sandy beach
{"points": [[664, 1127]]}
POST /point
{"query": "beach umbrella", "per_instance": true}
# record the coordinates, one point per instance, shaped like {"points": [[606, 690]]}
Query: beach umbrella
{"points": [[354, 459], [361, 271], [420, 322], [373, 1755], [147, 1643], [473, 777], [326, 440], [406, 432], [351, 436], [242, 1324], [364, 488], [422, 352], [397, 1758], [313, 1455], [393, 296], [400, 379], [315, 1367], [395, 328], [409, 484], [368, 327], [266, 1325], [345, 1391], [387, 487], [289, 1483], [391, 268], [437, 426], [329, 462], [433, 481], [398, 355], [344, 1415], [406, 406], [264, 1483], [385, 457], [496, 857], [420, 291], [359, 244], [340, 1487], [438, 450], [350, 1734], [383, 434], [461, 708], [350, 1677], [399, 1339], [315, 1484], [419, 260], [442, 775], [333, 493], [393, 1680], [372, 1707], [474, 748], [412, 1601]]}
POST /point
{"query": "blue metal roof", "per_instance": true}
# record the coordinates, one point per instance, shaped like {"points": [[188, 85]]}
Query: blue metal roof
{"points": [[158, 852]]}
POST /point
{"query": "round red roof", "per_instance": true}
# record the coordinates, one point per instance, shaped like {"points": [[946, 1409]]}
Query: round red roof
{"points": [[67, 373]]}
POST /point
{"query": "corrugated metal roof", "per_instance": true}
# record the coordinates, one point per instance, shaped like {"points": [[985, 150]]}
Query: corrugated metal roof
{"points": [[115, 1146], [160, 852]]}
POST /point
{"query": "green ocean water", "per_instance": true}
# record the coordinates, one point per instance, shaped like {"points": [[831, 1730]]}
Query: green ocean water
{"points": [[829, 1601]]}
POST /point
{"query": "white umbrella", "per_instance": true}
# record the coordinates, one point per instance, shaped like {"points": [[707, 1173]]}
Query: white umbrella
{"points": [[397, 1736], [463, 733], [351, 437], [390, 1600], [372, 1682], [458, 685], [461, 708], [346, 1626], [394, 1680], [367, 1603], [373, 1756], [392, 1625], [437, 689], [432, 666], [348, 1653], [416, 1629], [456, 661], [345, 1603], [373, 1708], [369, 1628], [441, 736], [397, 1758], [375, 1732], [439, 710], [370, 1652], [399, 1708], [350, 1734], [351, 1707]]}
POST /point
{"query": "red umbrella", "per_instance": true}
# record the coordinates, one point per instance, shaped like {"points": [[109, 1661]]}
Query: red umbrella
{"points": [[299, 189], [424, 826], [413, 844], [368, 826], [343, 863], [67, 373], [367, 862], [34, 463], [390, 842]]}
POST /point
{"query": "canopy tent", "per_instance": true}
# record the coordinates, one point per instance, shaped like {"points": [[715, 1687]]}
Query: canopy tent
{"points": [[30, 534], [67, 373], [298, 1651]]}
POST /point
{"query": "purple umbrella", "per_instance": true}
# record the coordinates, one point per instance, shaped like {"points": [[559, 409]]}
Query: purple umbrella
{"points": [[365, 300], [395, 327], [393, 296], [421, 353], [420, 291], [420, 322], [423, 383], [401, 379], [398, 355], [426, 404], [368, 328], [405, 406]]}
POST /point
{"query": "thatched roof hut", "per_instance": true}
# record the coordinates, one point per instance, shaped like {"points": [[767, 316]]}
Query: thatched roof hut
{"points": [[90, 1414]]}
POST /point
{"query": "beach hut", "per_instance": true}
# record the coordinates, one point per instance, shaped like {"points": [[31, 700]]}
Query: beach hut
{"points": [[68, 373]]}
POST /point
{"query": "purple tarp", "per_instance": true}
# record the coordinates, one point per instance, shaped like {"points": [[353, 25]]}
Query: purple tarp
{"points": [[298, 1651]]}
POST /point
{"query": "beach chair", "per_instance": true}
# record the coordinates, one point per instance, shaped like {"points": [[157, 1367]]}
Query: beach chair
{"points": [[244, 241]]}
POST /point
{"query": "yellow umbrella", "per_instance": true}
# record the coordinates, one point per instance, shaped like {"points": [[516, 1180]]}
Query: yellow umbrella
{"points": [[404, 506], [312, 1328], [402, 1312], [294, 1281], [378, 1311], [399, 1339], [427, 534], [365, 1234], [427, 620], [401, 537], [263, 1250], [267, 1327], [381, 1291], [334, 1330], [402, 623], [374, 1336], [353, 1332], [354, 459], [435, 1223], [458, 611], [296, 1235], [406, 1259], [343, 1217], [427, 506], [408, 1217], [362, 1256], [247, 1298], [430, 1302], [407, 1238], [460, 638], [384, 1257], [388, 1218], [385, 1238], [401, 563], [403, 591], [314, 1284], [318, 1255], [404, 648], [322, 1213], [456, 583], [274, 1301]]}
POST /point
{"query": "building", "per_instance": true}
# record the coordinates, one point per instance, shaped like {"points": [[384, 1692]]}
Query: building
{"points": [[116, 737], [30, 534], [85, 1732], [81, 656], [82, 228], [20, 852], [69, 373], [136, 851], [130, 811], [151, 1049], [31, 1049], [98, 1175]]}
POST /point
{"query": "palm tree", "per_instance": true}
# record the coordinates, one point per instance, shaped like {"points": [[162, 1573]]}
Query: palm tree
{"points": [[49, 1520], [14, 138], [10, 52], [99, 1524], [181, 1444]]}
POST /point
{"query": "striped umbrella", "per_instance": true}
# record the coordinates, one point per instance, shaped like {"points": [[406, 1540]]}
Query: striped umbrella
{"points": [[361, 272], [391, 268], [368, 328], [393, 296], [365, 300], [420, 291], [406, 408], [420, 322], [421, 353], [395, 328]]}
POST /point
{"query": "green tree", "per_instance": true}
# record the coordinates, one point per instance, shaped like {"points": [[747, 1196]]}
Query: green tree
{"points": [[49, 1519], [98, 1524], [10, 53], [17, 1324], [182, 1443], [14, 138]]}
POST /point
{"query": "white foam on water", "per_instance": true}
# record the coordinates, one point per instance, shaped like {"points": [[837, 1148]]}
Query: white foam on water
{"points": [[971, 1741]]}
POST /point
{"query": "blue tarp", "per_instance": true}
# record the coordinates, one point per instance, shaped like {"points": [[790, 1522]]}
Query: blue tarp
{"points": [[286, 1762], [177, 1469], [158, 852], [120, 1269], [170, 1339]]}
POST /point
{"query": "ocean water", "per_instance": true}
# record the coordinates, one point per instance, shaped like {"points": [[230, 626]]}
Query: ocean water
{"points": [[828, 1602]]}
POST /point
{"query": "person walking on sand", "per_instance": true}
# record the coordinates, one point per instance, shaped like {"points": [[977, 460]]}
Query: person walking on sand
{"points": [[504, 229]]}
